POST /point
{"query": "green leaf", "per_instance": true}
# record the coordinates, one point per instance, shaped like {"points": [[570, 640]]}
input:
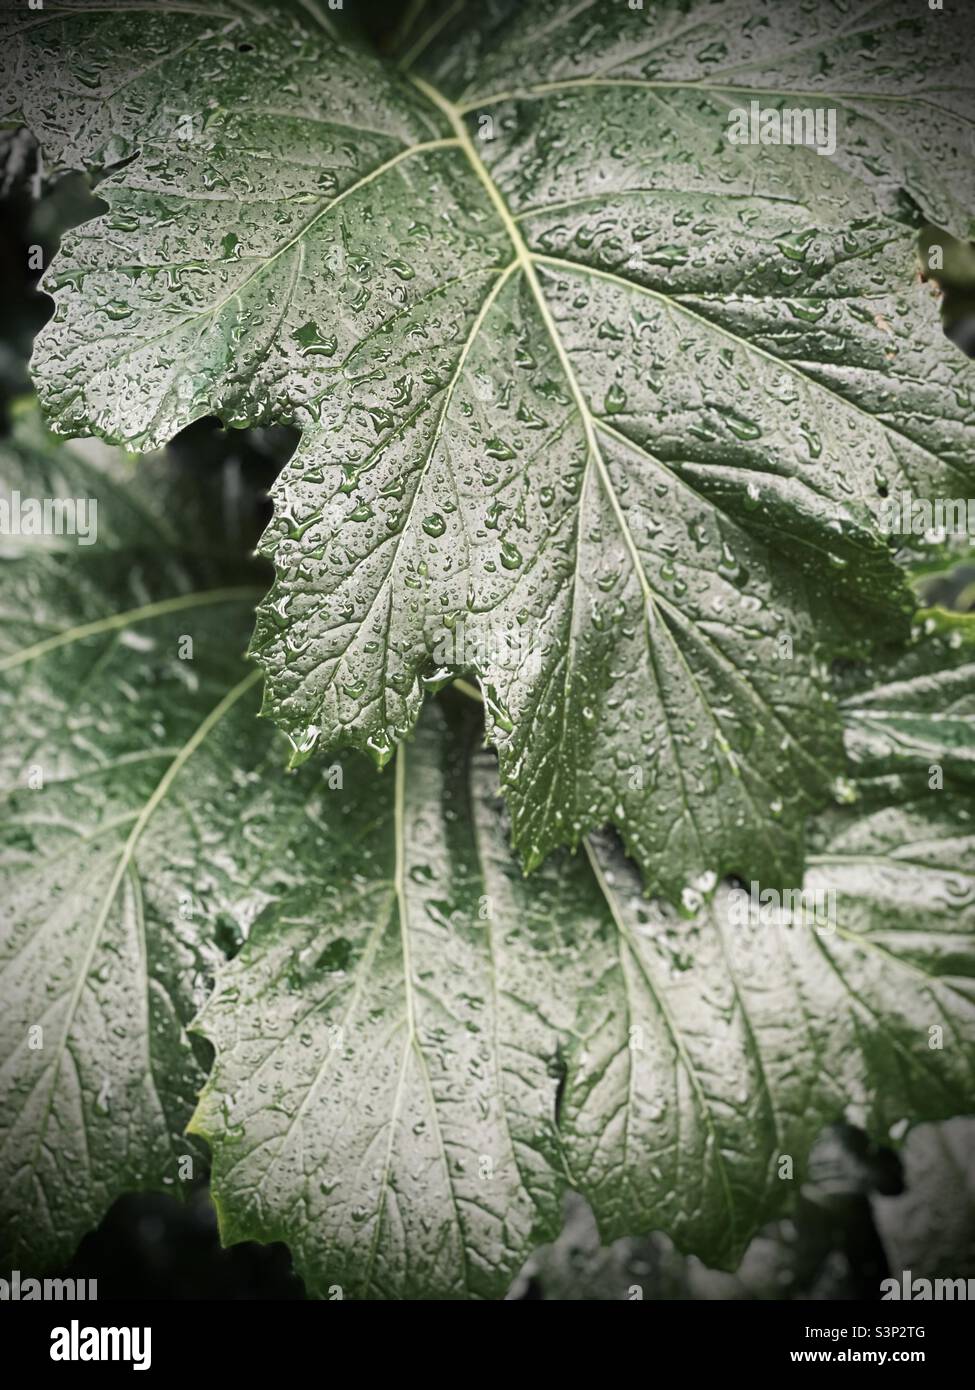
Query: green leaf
{"points": [[135, 836], [418, 1050], [910, 727], [406, 1081], [600, 410], [69, 73], [899, 75]]}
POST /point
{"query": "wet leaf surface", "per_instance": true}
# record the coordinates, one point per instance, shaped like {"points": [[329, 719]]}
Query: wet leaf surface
{"points": [[418, 1050], [600, 409]]}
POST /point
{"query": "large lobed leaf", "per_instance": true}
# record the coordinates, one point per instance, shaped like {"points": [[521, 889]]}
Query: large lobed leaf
{"points": [[417, 1049], [600, 409], [460, 1044]]}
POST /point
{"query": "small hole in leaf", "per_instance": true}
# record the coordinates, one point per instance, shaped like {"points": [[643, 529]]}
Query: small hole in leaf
{"points": [[245, 48]]}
